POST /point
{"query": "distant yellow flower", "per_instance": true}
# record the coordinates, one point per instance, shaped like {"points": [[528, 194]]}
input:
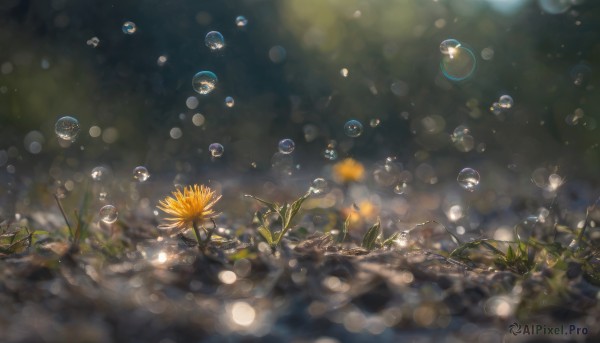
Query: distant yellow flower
{"points": [[193, 204], [348, 170]]}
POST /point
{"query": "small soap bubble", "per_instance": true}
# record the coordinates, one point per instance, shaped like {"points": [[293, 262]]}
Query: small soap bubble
{"points": [[506, 101], [353, 128], [449, 46], [459, 133], [319, 186], [67, 128], [141, 173], [214, 40], [487, 53], [204, 82], [277, 54], [458, 62], [286, 146], [192, 102], [374, 122], [468, 179], [241, 21], [162, 59], [129, 28], [496, 108], [108, 214], [229, 102], [344, 72], [401, 188], [216, 149], [99, 173], [93, 42]]}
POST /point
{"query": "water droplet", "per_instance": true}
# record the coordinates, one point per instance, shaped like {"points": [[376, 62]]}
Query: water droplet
{"points": [[108, 214], [458, 62], [449, 46], [129, 28], [141, 174], [67, 128], [241, 21], [216, 149], [229, 102], [353, 128], [99, 173], [204, 82], [214, 40], [94, 41], [286, 146], [468, 179], [319, 186], [375, 122], [506, 101]]}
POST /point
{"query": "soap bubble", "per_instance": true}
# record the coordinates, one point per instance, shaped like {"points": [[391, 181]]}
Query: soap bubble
{"points": [[468, 179], [459, 133], [555, 6], [141, 174], [353, 128], [496, 108], [229, 101], [214, 40], [319, 186], [129, 28], [108, 214], [93, 42], [204, 82], [449, 46], [375, 122], [506, 101], [216, 149], [241, 21], [458, 64], [286, 146], [330, 154], [67, 128], [100, 173]]}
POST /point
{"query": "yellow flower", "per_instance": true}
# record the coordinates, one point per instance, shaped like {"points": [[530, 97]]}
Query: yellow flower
{"points": [[193, 204], [348, 170]]}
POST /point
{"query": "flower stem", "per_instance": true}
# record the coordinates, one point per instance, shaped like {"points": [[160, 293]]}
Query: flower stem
{"points": [[198, 238]]}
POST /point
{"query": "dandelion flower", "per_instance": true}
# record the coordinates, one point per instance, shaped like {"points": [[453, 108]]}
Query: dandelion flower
{"points": [[194, 204], [348, 170]]}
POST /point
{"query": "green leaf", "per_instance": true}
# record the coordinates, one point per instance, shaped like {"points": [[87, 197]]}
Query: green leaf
{"points": [[510, 254], [371, 236], [266, 234], [391, 239], [345, 229]]}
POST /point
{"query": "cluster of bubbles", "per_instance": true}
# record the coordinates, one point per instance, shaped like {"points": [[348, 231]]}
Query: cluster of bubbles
{"points": [[468, 178], [458, 62], [504, 103]]}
